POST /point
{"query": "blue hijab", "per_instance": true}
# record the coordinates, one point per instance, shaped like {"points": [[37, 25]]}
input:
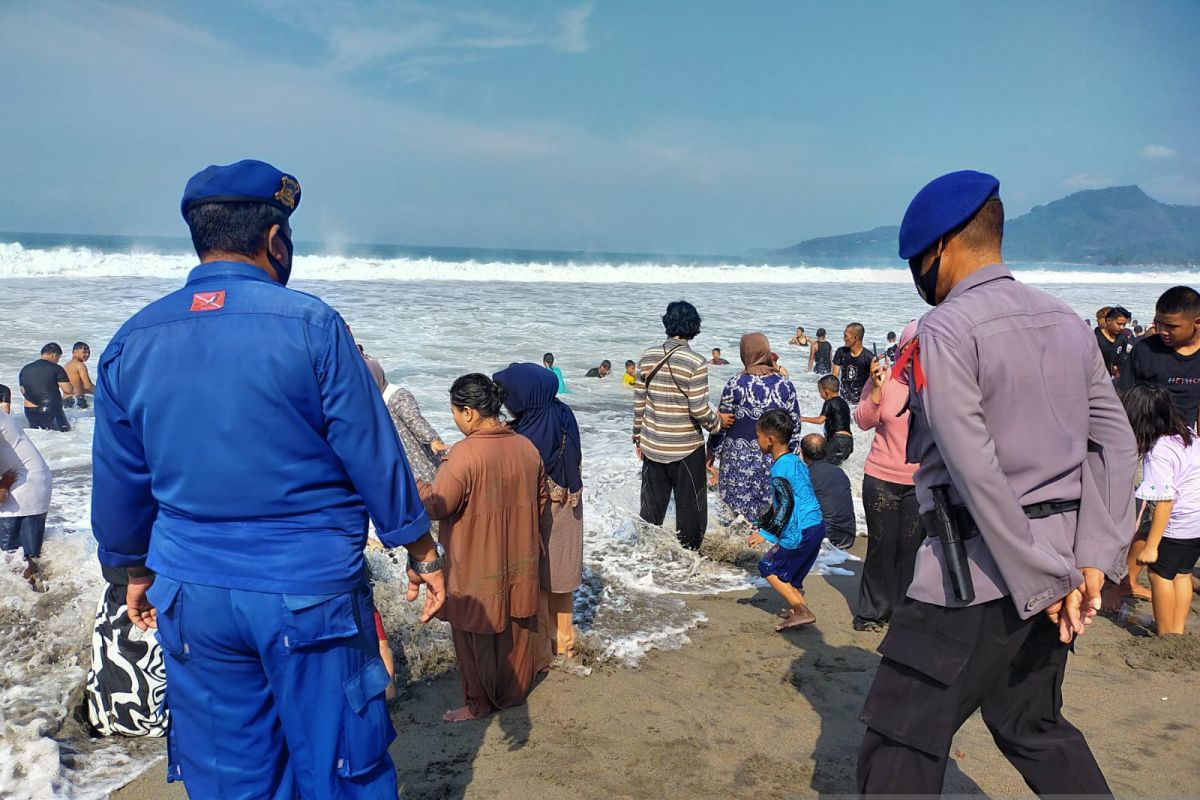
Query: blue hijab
{"points": [[543, 419]]}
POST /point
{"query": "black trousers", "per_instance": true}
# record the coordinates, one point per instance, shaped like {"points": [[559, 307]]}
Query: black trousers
{"points": [[838, 448], [687, 480], [939, 666], [894, 534], [50, 419]]}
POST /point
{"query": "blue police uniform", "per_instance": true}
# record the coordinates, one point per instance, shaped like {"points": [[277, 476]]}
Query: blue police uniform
{"points": [[240, 445]]}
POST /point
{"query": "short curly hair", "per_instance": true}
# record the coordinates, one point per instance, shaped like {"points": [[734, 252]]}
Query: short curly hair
{"points": [[682, 320]]}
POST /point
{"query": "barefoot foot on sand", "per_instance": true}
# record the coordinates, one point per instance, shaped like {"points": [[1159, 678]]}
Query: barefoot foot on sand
{"points": [[1113, 595], [460, 715], [784, 613], [797, 621]]}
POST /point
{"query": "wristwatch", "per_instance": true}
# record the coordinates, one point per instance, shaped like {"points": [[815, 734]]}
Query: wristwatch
{"points": [[426, 567]]}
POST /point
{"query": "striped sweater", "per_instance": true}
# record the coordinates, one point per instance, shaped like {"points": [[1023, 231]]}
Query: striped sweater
{"points": [[670, 415]]}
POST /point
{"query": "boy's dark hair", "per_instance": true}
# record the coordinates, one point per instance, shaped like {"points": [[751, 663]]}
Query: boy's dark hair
{"points": [[1152, 414], [813, 447], [857, 329], [777, 423], [716, 349], [1116, 312], [820, 333], [630, 362], [1179, 300], [1138, 329], [682, 320], [232, 227], [52, 349], [479, 392], [830, 383], [606, 363], [548, 359], [891, 337], [80, 346]]}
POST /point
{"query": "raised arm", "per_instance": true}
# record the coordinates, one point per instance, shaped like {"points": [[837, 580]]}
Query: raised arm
{"points": [[447, 495], [410, 414]]}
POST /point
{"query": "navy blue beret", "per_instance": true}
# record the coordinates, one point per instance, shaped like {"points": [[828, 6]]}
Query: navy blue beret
{"points": [[247, 181], [943, 205]]}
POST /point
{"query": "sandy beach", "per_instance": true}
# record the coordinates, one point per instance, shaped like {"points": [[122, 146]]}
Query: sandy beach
{"points": [[743, 712]]}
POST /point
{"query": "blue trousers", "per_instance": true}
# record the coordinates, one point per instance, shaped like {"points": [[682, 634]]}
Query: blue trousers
{"points": [[274, 696]]}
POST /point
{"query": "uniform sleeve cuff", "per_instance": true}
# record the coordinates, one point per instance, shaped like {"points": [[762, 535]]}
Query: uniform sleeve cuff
{"points": [[406, 534], [110, 559]]}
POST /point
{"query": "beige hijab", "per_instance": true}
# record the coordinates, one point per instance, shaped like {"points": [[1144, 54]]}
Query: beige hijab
{"points": [[756, 355]]}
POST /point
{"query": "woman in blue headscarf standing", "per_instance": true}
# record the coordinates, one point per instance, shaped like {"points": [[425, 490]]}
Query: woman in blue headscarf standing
{"points": [[549, 423]]}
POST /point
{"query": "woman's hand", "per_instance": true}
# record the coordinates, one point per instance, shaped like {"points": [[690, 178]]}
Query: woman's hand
{"points": [[1149, 555], [438, 446], [726, 420]]}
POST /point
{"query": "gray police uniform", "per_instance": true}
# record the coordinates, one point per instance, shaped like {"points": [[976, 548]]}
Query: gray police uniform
{"points": [[1020, 419]]}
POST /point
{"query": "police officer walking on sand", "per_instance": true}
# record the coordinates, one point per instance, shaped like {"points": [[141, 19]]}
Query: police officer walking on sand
{"points": [[1025, 487], [236, 491]]}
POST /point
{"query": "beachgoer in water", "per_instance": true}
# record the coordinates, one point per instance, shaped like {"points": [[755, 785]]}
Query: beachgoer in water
{"points": [[792, 525], [550, 424], [81, 381], [890, 352], [1114, 340], [5, 399], [25, 486], [630, 376], [800, 340], [853, 363], [894, 532], [744, 480], [44, 384], [833, 492], [835, 416], [422, 444], [670, 414], [820, 355], [716, 359], [1170, 478], [779, 367], [600, 371], [489, 495], [548, 363]]}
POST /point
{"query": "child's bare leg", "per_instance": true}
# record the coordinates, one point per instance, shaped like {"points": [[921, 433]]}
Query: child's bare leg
{"points": [[1130, 584], [801, 613], [1163, 593], [385, 652], [1183, 601]]}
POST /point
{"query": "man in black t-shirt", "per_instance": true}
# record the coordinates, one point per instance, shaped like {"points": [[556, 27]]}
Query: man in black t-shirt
{"points": [[832, 488], [600, 371], [820, 355], [835, 416], [853, 363], [1171, 357], [5, 399], [1114, 340], [44, 384]]}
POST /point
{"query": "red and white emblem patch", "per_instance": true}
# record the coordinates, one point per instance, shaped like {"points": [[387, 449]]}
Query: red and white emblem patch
{"points": [[208, 301]]}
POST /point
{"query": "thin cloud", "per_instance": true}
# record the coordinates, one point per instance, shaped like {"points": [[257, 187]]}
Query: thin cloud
{"points": [[574, 35], [1155, 152], [1087, 180]]}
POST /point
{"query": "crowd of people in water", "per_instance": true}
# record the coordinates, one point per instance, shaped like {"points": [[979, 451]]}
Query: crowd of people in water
{"points": [[507, 501]]}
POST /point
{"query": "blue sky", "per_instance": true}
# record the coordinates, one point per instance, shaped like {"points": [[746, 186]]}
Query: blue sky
{"points": [[686, 127]]}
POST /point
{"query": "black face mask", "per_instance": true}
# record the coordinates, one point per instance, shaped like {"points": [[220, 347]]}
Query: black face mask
{"points": [[283, 272], [926, 284]]}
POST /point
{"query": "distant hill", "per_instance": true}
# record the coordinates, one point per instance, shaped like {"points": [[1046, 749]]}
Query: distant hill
{"points": [[1119, 225]]}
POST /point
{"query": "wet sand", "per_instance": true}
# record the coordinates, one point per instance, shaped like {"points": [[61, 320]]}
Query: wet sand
{"points": [[744, 712]]}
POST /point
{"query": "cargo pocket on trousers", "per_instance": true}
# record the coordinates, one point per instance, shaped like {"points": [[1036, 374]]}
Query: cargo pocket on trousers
{"points": [[166, 596], [366, 726], [311, 620]]}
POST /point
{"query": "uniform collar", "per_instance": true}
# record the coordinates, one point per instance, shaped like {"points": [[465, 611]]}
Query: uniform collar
{"points": [[225, 269], [992, 272]]}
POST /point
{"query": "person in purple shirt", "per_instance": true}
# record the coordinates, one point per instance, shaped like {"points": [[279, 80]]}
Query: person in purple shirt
{"points": [[1015, 419]]}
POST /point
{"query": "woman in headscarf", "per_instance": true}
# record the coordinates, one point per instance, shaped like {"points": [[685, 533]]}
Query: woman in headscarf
{"points": [[889, 497], [489, 495], [550, 424], [745, 471], [422, 444]]}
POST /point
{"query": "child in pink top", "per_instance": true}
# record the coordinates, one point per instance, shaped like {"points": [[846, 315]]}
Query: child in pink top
{"points": [[889, 497]]}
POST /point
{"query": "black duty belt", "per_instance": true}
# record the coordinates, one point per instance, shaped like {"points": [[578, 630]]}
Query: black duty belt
{"points": [[969, 530]]}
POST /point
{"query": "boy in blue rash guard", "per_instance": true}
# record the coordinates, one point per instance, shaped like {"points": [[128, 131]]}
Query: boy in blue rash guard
{"points": [[793, 524]]}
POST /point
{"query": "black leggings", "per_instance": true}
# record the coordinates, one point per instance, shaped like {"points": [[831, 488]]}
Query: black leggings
{"points": [[50, 419], [687, 480], [894, 535]]}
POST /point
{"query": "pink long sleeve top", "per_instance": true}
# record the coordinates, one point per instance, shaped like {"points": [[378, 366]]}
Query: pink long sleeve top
{"points": [[886, 461]]}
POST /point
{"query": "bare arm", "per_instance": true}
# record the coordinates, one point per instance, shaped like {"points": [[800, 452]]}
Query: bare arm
{"points": [[1158, 526]]}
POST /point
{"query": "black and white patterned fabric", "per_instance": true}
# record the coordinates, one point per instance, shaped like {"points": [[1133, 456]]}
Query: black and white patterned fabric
{"points": [[127, 681]]}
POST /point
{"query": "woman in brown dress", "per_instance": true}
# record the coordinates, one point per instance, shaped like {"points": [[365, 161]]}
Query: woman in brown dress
{"points": [[549, 423], [489, 494]]}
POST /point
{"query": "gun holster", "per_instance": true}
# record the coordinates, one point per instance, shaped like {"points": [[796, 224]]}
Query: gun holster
{"points": [[947, 524]]}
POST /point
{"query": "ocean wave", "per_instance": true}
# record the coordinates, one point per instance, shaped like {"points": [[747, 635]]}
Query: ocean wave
{"points": [[18, 261]]}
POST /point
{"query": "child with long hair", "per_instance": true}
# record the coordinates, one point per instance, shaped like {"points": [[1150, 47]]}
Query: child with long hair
{"points": [[1171, 479]]}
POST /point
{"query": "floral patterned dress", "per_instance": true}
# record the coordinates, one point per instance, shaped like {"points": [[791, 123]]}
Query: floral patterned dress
{"points": [[745, 472]]}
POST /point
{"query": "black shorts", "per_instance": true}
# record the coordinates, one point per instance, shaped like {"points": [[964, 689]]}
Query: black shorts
{"points": [[50, 419], [1175, 557], [838, 448]]}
